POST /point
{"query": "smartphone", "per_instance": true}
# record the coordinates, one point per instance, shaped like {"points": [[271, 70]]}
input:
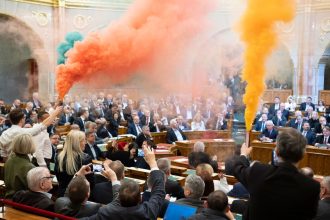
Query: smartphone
{"points": [[97, 167], [140, 153]]}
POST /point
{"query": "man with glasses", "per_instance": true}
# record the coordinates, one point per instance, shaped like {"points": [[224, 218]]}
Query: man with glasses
{"points": [[40, 183]]}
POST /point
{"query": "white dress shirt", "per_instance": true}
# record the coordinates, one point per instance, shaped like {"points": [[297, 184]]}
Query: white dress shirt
{"points": [[8, 135], [43, 147]]}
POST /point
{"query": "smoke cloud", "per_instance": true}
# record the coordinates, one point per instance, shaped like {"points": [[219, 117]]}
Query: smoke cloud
{"points": [[259, 36], [153, 40]]}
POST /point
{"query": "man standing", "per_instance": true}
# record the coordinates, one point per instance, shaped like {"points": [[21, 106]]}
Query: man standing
{"points": [[280, 191]]}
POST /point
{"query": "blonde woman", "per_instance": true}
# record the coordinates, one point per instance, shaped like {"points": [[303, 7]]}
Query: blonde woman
{"points": [[71, 159], [290, 105], [18, 164], [197, 124]]}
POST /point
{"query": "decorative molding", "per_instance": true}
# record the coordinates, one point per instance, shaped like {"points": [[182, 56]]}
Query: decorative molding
{"points": [[81, 21], [41, 17], [286, 27]]}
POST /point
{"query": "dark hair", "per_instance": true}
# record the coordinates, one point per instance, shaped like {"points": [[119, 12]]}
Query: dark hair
{"points": [[217, 200], [118, 168], [82, 111], [291, 145], [41, 114], [15, 116], [129, 193], [78, 189]]}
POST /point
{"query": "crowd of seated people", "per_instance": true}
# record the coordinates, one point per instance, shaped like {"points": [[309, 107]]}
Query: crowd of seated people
{"points": [[309, 119]]}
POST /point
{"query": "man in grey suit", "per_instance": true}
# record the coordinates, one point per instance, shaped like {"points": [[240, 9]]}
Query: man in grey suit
{"points": [[126, 203]]}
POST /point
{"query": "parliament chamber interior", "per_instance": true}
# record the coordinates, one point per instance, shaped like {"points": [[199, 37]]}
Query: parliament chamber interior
{"points": [[176, 109]]}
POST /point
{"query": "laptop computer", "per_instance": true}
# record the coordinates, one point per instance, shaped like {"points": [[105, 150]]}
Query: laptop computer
{"points": [[177, 211]]}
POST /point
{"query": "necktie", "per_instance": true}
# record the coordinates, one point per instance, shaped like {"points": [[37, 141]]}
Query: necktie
{"points": [[147, 120], [325, 140], [262, 126], [304, 133]]}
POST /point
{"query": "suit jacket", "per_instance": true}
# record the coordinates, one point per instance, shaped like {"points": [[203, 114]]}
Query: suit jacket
{"points": [[320, 140], [313, 123], [174, 189], [97, 150], [323, 211], [143, 120], [64, 206], [310, 137], [272, 135], [318, 128], [277, 192], [80, 123], [102, 132], [285, 114], [272, 110], [102, 193], [146, 210], [132, 129], [140, 138], [171, 137], [209, 214], [303, 106], [35, 199], [63, 119], [153, 128], [258, 126], [278, 122], [196, 158]]}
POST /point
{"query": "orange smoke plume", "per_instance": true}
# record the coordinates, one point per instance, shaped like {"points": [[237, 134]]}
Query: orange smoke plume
{"points": [[150, 39], [259, 36]]}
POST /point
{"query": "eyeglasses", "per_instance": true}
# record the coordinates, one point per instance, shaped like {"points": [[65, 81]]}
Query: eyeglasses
{"points": [[48, 177]]}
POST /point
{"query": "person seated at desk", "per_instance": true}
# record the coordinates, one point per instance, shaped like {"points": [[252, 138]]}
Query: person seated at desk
{"points": [[174, 133], [40, 183], [217, 123], [314, 120], [91, 148], [134, 128], [279, 119], [205, 171], [172, 187], [323, 211], [197, 124], [198, 156], [193, 191], [126, 154], [308, 133], [323, 139], [322, 123], [304, 106], [102, 130], [157, 125], [293, 121], [182, 124], [143, 136], [76, 204], [269, 134], [261, 125], [216, 207], [298, 123]]}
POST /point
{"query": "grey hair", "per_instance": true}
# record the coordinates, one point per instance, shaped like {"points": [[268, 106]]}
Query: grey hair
{"points": [[199, 146], [269, 122], [34, 177], [196, 186], [164, 165]]}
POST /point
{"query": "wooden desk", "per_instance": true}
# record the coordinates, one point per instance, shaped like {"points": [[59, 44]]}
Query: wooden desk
{"points": [[182, 161], [164, 150], [253, 135], [223, 148], [11, 213], [315, 158], [270, 94], [138, 181], [160, 137]]}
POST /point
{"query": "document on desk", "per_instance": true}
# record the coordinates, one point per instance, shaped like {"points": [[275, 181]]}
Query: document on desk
{"points": [[181, 160]]}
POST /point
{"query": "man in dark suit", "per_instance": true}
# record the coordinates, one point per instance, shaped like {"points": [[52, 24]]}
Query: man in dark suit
{"points": [[102, 131], [182, 124], [80, 121], [75, 205], [280, 191], [174, 133], [127, 195], [28, 109], [285, 113], [279, 120], [298, 123], [305, 105], [323, 139], [157, 125], [323, 211], [145, 119], [172, 187], [219, 122], [40, 183], [217, 208], [292, 121], [143, 136], [198, 156], [134, 128], [308, 133], [91, 148], [261, 125], [319, 126], [275, 106], [269, 134], [66, 118]]}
